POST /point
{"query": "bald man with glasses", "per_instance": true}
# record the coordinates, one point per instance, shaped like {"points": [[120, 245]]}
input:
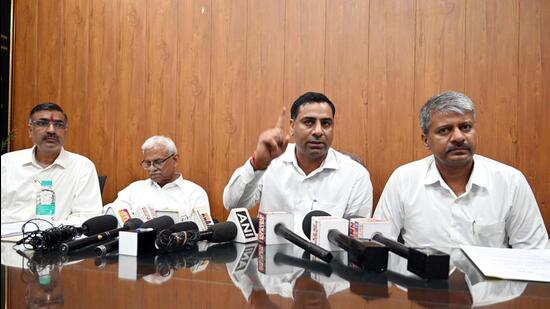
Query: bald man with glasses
{"points": [[73, 177], [165, 189]]}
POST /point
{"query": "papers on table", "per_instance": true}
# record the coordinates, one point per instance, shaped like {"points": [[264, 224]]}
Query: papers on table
{"points": [[512, 264]]}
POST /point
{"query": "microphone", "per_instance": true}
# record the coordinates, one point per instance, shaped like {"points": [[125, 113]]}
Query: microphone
{"points": [[53, 237], [131, 224], [276, 222], [220, 232], [202, 218], [427, 263], [246, 231], [370, 256], [156, 224]]}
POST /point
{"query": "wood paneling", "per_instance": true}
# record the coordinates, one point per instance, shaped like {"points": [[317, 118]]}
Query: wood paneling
{"points": [[533, 104], [491, 71], [390, 88], [439, 58], [213, 74]]}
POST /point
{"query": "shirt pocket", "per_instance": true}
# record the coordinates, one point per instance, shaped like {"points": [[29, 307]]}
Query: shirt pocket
{"points": [[490, 234]]}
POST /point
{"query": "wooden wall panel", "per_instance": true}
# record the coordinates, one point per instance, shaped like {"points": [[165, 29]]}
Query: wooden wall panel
{"points": [[264, 68], [533, 145], [491, 70], [439, 59], [49, 32], [130, 105], [194, 55], [213, 74], [25, 86], [74, 70], [304, 48], [102, 92], [228, 94], [391, 88], [346, 72]]}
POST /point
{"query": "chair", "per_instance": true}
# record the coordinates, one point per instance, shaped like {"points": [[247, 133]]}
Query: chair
{"points": [[102, 180]]}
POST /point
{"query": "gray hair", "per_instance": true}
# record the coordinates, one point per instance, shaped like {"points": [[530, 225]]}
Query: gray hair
{"points": [[445, 102], [159, 140]]}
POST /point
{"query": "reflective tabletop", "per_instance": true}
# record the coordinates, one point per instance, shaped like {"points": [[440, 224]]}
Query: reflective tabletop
{"points": [[234, 275]]}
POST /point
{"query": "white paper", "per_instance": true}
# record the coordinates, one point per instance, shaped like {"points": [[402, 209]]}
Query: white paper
{"points": [[512, 264]]}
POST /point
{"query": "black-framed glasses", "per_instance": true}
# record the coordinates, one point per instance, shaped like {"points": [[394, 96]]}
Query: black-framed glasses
{"points": [[43, 124], [159, 163]]}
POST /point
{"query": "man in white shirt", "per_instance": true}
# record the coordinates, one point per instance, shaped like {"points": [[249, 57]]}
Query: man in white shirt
{"points": [[74, 177], [455, 197], [304, 176], [165, 189]]}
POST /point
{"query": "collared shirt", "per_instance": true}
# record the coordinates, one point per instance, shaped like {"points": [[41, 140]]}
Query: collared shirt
{"points": [[498, 208], [180, 194], [75, 183], [340, 186]]}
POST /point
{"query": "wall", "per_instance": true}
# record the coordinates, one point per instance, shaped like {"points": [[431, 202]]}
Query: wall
{"points": [[213, 74]]}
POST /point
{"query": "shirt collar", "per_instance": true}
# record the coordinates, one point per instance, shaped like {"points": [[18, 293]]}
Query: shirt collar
{"points": [[178, 182], [478, 176], [330, 162], [62, 159]]}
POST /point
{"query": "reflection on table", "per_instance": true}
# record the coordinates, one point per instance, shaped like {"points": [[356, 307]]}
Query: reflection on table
{"points": [[244, 275]]}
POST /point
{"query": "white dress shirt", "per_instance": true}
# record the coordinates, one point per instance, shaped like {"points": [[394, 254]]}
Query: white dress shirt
{"points": [[75, 183], [180, 194], [498, 208], [340, 186]]}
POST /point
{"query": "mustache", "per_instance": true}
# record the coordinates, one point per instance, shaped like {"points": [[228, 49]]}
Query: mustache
{"points": [[461, 147], [47, 136]]}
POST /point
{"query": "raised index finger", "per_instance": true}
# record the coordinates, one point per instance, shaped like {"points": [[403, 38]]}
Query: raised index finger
{"points": [[281, 121]]}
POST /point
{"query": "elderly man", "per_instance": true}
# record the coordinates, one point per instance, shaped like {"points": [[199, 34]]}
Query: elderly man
{"points": [[73, 177], [165, 189], [305, 176], [455, 197]]}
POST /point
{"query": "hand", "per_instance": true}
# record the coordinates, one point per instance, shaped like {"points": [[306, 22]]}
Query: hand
{"points": [[271, 144]]}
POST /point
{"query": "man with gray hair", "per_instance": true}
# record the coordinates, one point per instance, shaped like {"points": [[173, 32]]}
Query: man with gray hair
{"points": [[165, 189], [455, 197]]}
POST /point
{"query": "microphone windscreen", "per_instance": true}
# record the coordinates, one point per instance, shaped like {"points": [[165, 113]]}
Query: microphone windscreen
{"points": [[133, 223], [222, 232], [159, 223], [306, 224], [99, 224], [184, 226]]}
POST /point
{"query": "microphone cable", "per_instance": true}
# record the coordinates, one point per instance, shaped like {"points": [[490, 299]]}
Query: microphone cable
{"points": [[44, 240]]}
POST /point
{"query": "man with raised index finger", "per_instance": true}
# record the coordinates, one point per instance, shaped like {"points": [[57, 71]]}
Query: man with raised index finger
{"points": [[302, 176]]}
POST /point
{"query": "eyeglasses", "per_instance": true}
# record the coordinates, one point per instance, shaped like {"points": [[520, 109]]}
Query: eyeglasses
{"points": [[43, 124], [156, 163]]}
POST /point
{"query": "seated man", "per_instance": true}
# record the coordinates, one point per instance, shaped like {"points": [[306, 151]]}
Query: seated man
{"points": [[454, 196], [165, 189], [305, 176], [74, 178]]}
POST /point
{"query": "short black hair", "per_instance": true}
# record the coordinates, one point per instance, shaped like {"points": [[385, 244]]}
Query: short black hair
{"points": [[47, 106], [310, 97]]}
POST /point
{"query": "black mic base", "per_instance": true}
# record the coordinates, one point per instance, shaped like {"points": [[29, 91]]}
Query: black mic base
{"points": [[428, 263], [374, 258]]}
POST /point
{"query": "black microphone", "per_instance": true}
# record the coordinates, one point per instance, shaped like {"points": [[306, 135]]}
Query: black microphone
{"points": [[281, 230], [157, 224], [370, 256], [53, 237], [131, 224], [220, 232], [427, 263]]}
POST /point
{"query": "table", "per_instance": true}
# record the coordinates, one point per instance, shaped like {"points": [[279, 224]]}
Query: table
{"points": [[227, 276]]}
